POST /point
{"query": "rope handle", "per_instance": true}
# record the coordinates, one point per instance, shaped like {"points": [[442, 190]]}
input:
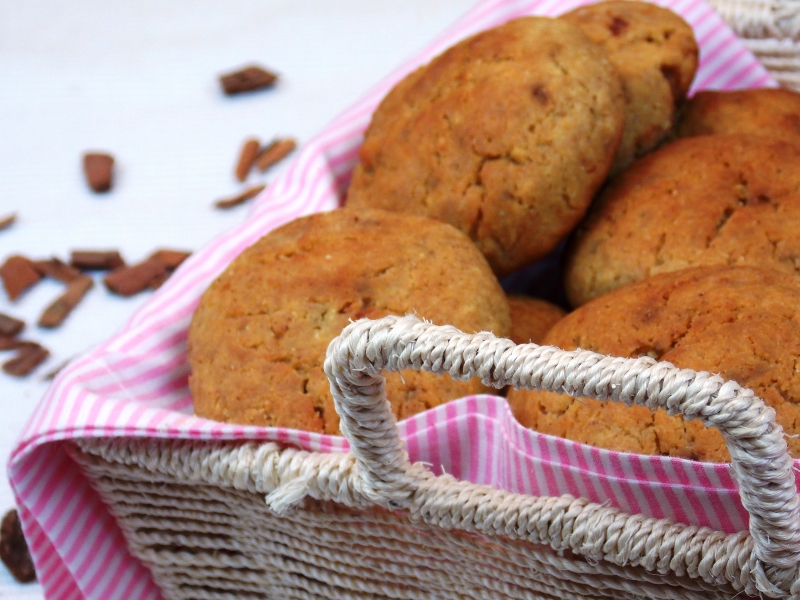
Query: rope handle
{"points": [[759, 456]]}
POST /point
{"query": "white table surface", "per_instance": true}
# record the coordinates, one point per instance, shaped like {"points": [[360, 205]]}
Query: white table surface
{"points": [[139, 79]]}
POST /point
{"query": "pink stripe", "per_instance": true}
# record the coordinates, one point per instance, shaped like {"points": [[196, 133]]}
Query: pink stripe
{"points": [[473, 441], [719, 45], [455, 441], [413, 442], [703, 41], [711, 78], [725, 517], [628, 491], [589, 457], [433, 453], [541, 486], [705, 16], [70, 522], [732, 80], [493, 465]]}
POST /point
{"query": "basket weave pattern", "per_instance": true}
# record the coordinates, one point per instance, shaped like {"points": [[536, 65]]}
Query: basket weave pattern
{"points": [[370, 524], [771, 30]]}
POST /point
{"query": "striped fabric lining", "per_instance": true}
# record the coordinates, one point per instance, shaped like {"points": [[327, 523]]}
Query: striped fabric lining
{"points": [[135, 384]]}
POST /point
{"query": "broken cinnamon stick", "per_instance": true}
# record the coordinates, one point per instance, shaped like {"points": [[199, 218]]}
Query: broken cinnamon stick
{"points": [[59, 310], [96, 260], [99, 170], [275, 152], [7, 221], [127, 281], [240, 198], [248, 79], [29, 356], [172, 259], [10, 343], [159, 280], [9, 326], [18, 274], [246, 158], [50, 375], [14, 549], [57, 269]]}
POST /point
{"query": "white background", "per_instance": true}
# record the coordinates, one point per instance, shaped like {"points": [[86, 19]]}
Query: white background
{"points": [[139, 79]]}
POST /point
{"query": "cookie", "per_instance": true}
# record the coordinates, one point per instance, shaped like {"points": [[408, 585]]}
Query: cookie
{"points": [[740, 322], [698, 201], [655, 53], [532, 318], [506, 136], [258, 338], [774, 112]]}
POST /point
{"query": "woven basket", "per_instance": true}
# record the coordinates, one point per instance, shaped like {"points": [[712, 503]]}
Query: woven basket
{"points": [[771, 30], [369, 524]]}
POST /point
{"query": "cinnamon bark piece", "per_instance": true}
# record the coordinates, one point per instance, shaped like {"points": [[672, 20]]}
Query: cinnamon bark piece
{"points": [[248, 79], [14, 549], [9, 326], [96, 260], [29, 356], [18, 274], [240, 198], [172, 259], [275, 152], [246, 158], [10, 343], [159, 280], [59, 310], [57, 269], [7, 221], [50, 375], [99, 170], [127, 281]]}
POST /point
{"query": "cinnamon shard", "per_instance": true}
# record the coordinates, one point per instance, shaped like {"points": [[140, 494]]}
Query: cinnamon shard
{"points": [[18, 274], [14, 549], [159, 280], [240, 198], [99, 170], [10, 343], [96, 260], [248, 79], [50, 375], [127, 281], [59, 310], [7, 221], [275, 152], [246, 158], [172, 259], [9, 326], [29, 356], [57, 269]]}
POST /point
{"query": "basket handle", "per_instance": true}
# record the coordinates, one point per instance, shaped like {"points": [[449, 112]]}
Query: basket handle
{"points": [[759, 456]]}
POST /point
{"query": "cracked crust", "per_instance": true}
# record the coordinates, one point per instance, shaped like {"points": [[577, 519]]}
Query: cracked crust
{"points": [[506, 136], [655, 53], [774, 112], [257, 340], [698, 201], [740, 322], [532, 318]]}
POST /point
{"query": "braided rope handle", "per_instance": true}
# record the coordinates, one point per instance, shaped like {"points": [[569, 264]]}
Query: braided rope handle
{"points": [[759, 456]]}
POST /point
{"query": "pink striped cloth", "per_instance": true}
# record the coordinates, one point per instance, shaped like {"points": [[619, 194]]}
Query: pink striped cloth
{"points": [[135, 384]]}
